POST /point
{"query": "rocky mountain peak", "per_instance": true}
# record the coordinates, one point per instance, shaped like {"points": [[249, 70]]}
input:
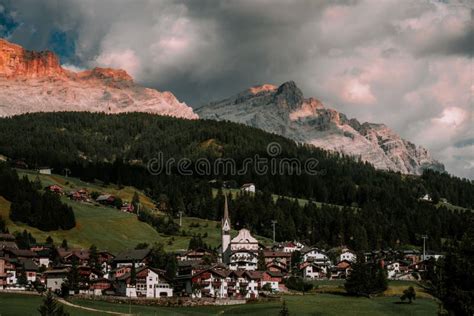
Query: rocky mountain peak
{"points": [[262, 88], [309, 121], [16, 62], [288, 96], [116, 75], [27, 75]]}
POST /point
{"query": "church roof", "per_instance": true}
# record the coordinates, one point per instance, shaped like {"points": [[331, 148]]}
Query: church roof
{"points": [[244, 236]]}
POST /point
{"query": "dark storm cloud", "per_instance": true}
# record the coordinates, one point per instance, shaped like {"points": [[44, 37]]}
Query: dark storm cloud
{"points": [[404, 63]]}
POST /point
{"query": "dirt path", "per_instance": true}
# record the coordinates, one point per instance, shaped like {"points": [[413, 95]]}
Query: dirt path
{"points": [[62, 301]]}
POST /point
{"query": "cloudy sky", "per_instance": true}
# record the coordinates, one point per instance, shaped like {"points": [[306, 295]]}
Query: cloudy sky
{"points": [[406, 63]]}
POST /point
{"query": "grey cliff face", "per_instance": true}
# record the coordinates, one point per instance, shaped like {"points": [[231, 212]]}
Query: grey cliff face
{"points": [[284, 110]]}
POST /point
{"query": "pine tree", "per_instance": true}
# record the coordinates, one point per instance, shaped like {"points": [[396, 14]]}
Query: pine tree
{"points": [[37, 183], [356, 282], [73, 276], [171, 267], [22, 280], [381, 282], [261, 262], [94, 258], [133, 274], [50, 306], [409, 294], [49, 240], [64, 244], [366, 278], [295, 262], [284, 310], [135, 200]]}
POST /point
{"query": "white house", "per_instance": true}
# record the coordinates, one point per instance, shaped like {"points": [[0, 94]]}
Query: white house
{"points": [[315, 263], [211, 283], [150, 283], [426, 197], [311, 270], [246, 283], [253, 279], [55, 278], [315, 255], [292, 246], [248, 187], [44, 170], [11, 278], [393, 269], [347, 255], [44, 261], [7, 273]]}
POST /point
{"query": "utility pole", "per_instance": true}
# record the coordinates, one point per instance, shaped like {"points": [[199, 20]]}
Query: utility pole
{"points": [[180, 218], [274, 224], [424, 246]]}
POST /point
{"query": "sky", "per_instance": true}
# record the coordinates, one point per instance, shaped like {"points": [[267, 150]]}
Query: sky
{"points": [[404, 63]]}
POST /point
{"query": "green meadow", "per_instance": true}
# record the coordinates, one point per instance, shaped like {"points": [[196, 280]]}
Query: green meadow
{"points": [[109, 228], [310, 304]]}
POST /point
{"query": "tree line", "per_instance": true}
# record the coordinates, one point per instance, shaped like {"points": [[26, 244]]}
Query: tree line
{"points": [[375, 208], [28, 205]]}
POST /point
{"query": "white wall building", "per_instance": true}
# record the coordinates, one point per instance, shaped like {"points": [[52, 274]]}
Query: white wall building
{"points": [[243, 260], [348, 255], [55, 278], [44, 170], [242, 251], [315, 255], [248, 187], [150, 283]]}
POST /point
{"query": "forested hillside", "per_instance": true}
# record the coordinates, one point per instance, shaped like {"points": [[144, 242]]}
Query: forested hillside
{"points": [[382, 208], [41, 210]]}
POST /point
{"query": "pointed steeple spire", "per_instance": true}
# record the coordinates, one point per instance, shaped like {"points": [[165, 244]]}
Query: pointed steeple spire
{"points": [[226, 208], [226, 219], [225, 233]]}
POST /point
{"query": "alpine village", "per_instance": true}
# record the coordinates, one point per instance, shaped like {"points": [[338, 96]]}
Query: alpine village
{"points": [[116, 198]]}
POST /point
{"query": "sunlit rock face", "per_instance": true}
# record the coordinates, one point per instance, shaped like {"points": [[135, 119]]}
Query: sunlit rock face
{"points": [[283, 110], [36, 82]]}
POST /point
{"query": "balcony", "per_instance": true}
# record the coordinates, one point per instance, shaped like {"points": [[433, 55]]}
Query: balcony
{"points": [[216, 283]]}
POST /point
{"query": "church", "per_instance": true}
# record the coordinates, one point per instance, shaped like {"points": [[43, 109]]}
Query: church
{"points": [[241, 252]]}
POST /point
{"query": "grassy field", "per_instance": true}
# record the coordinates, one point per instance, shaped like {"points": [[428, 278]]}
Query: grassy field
{"points": [[301, 202], [24, 305], [105, 227], [452, 207], [314, 304], [395, 288], [109, 228], [69, 184]]}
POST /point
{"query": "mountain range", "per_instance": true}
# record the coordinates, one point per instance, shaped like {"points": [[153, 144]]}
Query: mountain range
{"points": [[283, 110], [36, 82]]}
